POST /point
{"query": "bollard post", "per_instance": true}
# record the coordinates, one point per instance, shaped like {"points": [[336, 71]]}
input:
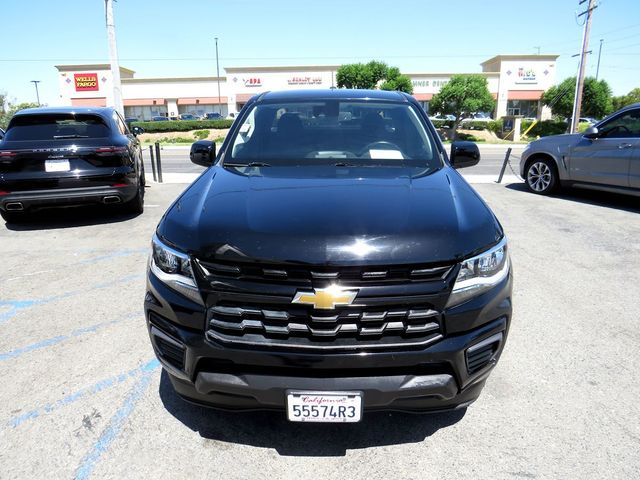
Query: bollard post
{"points": [[504, 165], [158, 162], [153, 163]]}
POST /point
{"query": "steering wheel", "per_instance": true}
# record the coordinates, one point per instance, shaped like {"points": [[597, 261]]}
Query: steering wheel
{"points": [[381, 143], [617, 128]]}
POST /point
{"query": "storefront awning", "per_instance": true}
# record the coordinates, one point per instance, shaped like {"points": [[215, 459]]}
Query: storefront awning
{"points": [[143, 102], [89, 102], [423, 97], [525, 94], [201, 101]]}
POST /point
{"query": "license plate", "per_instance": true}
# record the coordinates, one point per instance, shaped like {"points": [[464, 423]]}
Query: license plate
{"points": [[328, 407], [57, 165]]}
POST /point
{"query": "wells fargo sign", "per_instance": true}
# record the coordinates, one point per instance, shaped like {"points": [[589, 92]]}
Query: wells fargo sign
{"points": [[86, 82]]}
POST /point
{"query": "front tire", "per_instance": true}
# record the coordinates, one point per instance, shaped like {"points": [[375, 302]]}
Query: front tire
{"points": [[541, 176]]}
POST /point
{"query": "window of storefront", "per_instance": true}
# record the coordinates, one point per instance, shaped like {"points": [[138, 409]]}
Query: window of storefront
{"points": [[201, 109], [526, 108], [145, 112]]}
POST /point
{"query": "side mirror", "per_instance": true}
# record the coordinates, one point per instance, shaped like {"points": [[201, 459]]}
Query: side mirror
{"points": [[464, 154], [137, 130], [591, 132], [203, 152]]}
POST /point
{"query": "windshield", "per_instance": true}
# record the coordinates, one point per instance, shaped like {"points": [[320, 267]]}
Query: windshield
{"points": [[57, 126], [331, 132]]}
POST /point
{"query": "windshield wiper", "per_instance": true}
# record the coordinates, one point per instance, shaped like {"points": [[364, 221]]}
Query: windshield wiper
{"points": [[344, 164], [252, 164], [58, 137]]}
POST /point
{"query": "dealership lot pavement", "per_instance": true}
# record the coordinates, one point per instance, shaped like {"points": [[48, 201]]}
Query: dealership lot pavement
{"points": [[82, 395]]}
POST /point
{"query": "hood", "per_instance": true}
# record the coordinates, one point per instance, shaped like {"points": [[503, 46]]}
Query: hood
{"points": [[564, 140], [329, 215]]}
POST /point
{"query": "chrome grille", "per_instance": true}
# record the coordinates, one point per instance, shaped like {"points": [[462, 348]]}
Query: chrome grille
{"points": [[351, 328], [396, 306]]}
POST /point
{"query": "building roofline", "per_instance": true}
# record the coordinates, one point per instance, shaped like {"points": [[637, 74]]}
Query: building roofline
{"points": [[298, 68], [519, 57], [93, 66], [173, 79], [486, 74]]}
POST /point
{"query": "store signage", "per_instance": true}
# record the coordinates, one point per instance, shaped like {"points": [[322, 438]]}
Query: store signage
{"points": [[429, 83], [305, 81], [252, 82], [526, 75], [86, 82]]}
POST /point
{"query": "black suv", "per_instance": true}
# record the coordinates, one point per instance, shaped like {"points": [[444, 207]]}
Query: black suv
{"points": [[69, 156], [331, 261]]}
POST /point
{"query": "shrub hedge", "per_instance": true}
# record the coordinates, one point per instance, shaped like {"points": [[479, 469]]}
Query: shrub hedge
{"points": [[182, 125], [545, 128]]}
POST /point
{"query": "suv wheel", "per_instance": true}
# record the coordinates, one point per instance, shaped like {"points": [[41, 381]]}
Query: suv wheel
{"points": [[136, 204], [541, 176]]}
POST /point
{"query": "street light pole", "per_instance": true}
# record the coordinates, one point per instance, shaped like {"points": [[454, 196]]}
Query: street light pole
{"points": [[218, 77], [113, 56], [36, 82]]}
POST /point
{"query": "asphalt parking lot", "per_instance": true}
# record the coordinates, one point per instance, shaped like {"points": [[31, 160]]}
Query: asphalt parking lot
{"points": [[83, 397]]}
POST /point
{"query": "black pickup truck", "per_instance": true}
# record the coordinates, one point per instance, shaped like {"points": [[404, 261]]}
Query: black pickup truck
{"points": [[330, 261], [69, 156]]}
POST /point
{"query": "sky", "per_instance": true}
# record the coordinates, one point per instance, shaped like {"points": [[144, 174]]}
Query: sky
{"points": [[170, 38]]}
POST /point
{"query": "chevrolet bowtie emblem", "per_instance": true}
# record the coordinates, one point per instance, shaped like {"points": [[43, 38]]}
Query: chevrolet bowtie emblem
{"points": [[326, 298]]}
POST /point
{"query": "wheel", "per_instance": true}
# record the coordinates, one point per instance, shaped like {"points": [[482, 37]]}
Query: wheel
{"points": [[542, 176], [136, 204], [13, 217]]}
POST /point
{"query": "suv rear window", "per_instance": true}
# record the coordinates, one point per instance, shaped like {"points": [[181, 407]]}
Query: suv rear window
{"points": [[57, 126]]}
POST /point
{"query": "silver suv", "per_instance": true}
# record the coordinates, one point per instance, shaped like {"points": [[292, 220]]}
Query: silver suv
{"points": [[606, 156]]}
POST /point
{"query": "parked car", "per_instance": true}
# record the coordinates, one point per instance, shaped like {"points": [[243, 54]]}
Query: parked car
{"points": [[606, 156], [213, 116], [69, 156], [1, 134], [187, 116], [446, 118], [589, 120], [159, 118], [326, 269]]}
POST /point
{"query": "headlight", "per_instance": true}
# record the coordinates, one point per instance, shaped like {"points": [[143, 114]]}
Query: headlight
{"points": [[173, 268], [480, 273]]}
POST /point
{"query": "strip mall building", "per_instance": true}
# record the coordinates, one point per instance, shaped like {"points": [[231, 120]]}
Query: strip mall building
{"points": [[516, 81]]}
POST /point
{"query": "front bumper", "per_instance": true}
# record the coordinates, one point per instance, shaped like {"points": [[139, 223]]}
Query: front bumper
{"points": [[437, 377]]}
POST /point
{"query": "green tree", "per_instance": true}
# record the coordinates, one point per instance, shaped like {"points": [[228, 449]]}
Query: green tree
{"points": [[630, 98], [369, 75], [596, 98], [395, 81], [361, 75], [461, 96], [7, 112]]}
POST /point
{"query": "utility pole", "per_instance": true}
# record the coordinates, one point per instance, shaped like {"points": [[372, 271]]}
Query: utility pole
{"points": [[577, 102], [36, 82], [538, 49], [113, 56], [218, 77], [599, 53]]}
